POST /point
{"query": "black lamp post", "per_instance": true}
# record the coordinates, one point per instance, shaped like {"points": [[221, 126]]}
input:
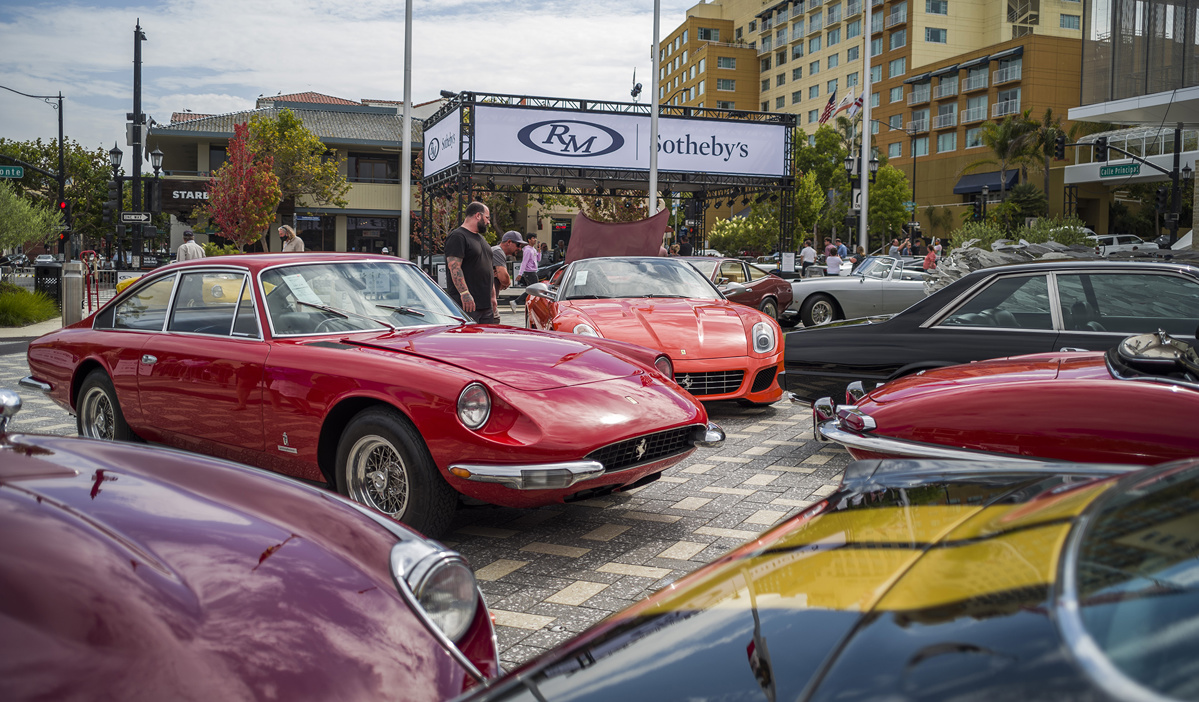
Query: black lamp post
{"points": [[986, 192], [156, 160]]}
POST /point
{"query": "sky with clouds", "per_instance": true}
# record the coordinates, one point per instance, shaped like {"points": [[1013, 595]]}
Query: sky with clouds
{"points": [[216, 56]]}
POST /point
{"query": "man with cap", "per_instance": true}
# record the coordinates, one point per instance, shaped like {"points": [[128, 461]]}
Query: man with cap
{"points": [[189, 249], [510, 244]]}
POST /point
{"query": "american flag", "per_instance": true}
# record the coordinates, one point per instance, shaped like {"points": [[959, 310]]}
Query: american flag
{"points": [[828, 108]]}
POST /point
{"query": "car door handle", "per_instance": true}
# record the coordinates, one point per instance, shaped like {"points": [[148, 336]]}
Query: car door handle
{"points": [[1068, 349], [148, 359]]}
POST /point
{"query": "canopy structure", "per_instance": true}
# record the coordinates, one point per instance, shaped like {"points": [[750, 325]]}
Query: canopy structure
{"points": [[974, 182], [513, 144]]}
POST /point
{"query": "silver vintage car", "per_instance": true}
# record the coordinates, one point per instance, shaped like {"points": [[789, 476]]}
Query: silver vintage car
{"points": [[881, 285]]}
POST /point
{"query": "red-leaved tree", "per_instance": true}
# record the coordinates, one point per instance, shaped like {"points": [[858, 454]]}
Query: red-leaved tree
{"points": [[242, 194]]}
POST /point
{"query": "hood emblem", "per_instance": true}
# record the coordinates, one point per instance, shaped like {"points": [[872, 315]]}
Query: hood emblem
{"points": [[685, 382], [640, 450], [630, 399], [683, 352]]}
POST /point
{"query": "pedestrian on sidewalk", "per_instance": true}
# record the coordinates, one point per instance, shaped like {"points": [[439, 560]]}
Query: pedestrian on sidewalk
{"points": [[528, 267], [189, 249], [510, 244], [291, 242], [468, 263]]}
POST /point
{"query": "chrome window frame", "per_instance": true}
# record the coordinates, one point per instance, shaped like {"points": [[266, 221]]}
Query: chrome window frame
{"points": [[1120, 271], [129, 292], [245, 274], [937, 319]]}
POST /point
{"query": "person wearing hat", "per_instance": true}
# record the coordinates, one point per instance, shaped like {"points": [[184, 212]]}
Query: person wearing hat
{"points": [[189, 249], [510, 244]]}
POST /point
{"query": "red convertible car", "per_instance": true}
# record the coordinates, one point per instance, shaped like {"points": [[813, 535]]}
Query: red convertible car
{"points": [[140, 573], [747, 284], [1136, 404], [359, 373], [718, 350]]}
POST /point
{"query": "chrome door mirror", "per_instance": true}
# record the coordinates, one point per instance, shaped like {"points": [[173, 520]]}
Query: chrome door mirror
{"points": [[541, 290]]}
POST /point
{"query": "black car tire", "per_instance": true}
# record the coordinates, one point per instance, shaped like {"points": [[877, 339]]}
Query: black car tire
{"points": [[98, 413], [770, 308], [819, 309], [382, 438]]}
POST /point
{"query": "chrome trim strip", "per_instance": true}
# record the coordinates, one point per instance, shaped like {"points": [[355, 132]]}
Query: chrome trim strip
{"points": [[513, 476], [286, 449], [831, 430], [33, 384]]}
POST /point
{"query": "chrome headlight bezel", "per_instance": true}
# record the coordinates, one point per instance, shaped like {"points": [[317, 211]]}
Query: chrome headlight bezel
{"points": [[665, 366], [585, 329], [763, 338], [474, 406]]}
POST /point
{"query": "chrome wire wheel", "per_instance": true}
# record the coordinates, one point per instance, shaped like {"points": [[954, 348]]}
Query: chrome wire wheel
{"points": [[378, 477], [97, 419]]}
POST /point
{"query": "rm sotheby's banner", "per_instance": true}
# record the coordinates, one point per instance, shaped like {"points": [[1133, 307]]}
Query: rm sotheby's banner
{"points": [[607, 140], [441, 144]]}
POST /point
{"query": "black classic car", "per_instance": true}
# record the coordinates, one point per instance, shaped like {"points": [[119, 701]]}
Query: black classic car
{"points": [[932, 580], [994, 313]]}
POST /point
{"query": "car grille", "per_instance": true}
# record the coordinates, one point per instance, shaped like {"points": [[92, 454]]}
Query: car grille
{"points": [[713, 383], [644, 449], [763, 379]]}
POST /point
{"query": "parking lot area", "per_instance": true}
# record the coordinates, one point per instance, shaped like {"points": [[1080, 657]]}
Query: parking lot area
{"points": [[549, 573]]}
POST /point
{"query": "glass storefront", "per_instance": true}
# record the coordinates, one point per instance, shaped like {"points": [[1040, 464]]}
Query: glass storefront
{"points": [[372, 234], [1133, 48], [319, 232]]}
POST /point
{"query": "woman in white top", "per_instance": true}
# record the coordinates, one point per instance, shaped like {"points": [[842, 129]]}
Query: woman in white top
{"points": [[832, 264]]}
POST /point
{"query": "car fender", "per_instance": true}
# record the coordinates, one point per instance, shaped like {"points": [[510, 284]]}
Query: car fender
{"points": [[920, 366]]}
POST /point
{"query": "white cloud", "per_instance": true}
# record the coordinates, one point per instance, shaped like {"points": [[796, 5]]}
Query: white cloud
{"points": [[217, 56]]}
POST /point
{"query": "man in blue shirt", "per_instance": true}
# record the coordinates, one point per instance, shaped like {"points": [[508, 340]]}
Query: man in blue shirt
{"points": [[842, 251]]}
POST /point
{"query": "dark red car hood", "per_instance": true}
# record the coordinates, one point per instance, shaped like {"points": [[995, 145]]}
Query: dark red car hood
{"points": [[523, 359], [1017, 369]]}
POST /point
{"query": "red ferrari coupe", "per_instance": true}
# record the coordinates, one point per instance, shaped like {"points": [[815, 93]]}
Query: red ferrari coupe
{"points": [[1134, 404], [719, 350], [360, 373]]}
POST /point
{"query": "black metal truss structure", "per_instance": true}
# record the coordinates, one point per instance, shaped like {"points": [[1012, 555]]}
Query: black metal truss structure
{"points": [[466, 179]]}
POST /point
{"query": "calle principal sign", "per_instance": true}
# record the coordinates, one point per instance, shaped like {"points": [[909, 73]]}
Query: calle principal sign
{"points": [[1123, 170]]}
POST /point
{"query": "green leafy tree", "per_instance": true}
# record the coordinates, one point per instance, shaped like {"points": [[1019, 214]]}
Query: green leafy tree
{"points": [[1029, 201], [24, 221], [810, 201], [759, 232], [1010, 142], [300, 162], [1044, 141], [888, 194], [243, 194]]}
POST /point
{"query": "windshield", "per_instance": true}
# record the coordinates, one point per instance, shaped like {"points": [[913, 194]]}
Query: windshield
{"points": [[600, 278], [705, 267], [876, 267], [353, 296]]}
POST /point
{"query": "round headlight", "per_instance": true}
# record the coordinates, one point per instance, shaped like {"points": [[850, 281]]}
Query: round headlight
{"points": [[474, 405], [585, 330], [447, 592], [664, 366], [763, 337], [217, 291]]}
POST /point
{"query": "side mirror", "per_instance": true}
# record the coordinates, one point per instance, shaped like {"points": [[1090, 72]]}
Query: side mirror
{"points": [[541, 290], [721, 281], [732, 288]]}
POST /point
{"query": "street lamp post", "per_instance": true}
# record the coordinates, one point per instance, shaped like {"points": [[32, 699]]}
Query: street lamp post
{"points": [[986, 192], [114, 160]]}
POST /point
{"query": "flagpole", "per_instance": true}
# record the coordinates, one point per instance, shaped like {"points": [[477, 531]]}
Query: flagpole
{"points": [[864, 221]]}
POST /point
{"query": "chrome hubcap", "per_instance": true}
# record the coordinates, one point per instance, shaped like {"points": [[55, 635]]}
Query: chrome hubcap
{"points": [[822, 312], [96, 415], [377, 476]]}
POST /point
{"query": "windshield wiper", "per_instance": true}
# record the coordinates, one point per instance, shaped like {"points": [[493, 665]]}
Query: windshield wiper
{"points": [[345, 314], [589, 297], [402, 310], [663, 295]]}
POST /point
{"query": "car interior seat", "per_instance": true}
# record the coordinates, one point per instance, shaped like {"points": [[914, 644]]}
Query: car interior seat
{"points": [[1005, 319], [1084, 318]]}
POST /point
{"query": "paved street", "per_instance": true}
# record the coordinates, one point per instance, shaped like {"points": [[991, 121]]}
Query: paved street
{"points": [[551, 572]]}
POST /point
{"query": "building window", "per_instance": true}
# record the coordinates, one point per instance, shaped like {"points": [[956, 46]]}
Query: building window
{"points": [[766, 107], [726, 84], [873, 127], [874, 99], [895, 121], [833, 60], [851, 79], [780, 58], [766, 44], [780, 102], [813, 116], [974, 138], [813, 68], [853, 29], [895, 150], [737, 34], [765, 84], [725, 62], [898, 39], [701, 87], [932, 35], [765, 64], [725, 105], [936, 7], [814, 44], [813, 92], [797, 29], [372, 168], [685, 36], [796, 97], [876, 22], [897, 67], [216, 158], [702, 65], [947, 142], [834, 37], [692, 73], [371, 234], [706, 34], [676, 44], [896, 93], [797, 73], [876, 74], [661, 93], [780, 37], [780, 80], [753, 25], [831, 86], [834, 13], [876, 47], [920, 146], [853, 53], [662, 74], [1069, 22]]}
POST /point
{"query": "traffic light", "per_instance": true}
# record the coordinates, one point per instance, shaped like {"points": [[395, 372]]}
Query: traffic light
{"points": [[113, 204], [1101, 149], [1163, 198], [978, 209], [1059, 146]]}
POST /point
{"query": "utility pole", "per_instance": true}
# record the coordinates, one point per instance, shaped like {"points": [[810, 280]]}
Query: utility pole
{"points": [[864, 224], [1175, 196], [406, 148], [652, 205], [138, 140]]}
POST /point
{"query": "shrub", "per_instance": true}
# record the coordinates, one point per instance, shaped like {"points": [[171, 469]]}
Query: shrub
{"points": [[1064, 230], [211, 249], [22, 307], [7, 287]]}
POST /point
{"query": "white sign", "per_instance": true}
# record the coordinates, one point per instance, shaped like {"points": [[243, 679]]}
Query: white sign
{"points": [[788, 261], [442, 143], [604, 140]]}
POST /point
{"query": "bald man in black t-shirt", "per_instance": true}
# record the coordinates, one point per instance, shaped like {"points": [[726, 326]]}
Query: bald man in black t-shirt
{"points": [[468, 261]]}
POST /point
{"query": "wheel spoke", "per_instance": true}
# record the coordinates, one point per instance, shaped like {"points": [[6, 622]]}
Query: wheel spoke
{"points": [[378, 476]]}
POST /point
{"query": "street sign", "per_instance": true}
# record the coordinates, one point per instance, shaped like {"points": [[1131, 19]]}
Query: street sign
{"points": [[62, 227], [135, 218], [1126, 169], [909, 205], [12, 171]]}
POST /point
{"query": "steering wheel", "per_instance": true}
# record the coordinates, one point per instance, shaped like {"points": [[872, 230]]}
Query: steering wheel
{"points": [[327, 324]]}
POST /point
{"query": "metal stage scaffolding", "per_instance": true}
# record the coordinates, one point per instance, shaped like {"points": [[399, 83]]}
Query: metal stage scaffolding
{"points": [[452, 131]]}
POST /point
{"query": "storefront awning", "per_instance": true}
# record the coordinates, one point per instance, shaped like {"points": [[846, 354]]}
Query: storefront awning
{"points": [[974, 182]]}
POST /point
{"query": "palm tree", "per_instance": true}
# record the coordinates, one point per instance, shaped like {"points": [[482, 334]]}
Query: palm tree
{"points": [[1047, 131], [1010, 141]]}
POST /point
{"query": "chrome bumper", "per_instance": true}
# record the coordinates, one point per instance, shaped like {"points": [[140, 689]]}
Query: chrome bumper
{"points": [[545, 476], [33, 384], [713, 436], [831, 430]]}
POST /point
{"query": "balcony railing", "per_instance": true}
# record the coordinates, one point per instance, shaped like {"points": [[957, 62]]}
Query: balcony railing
{"points": [[812, 4], [918, 96], [917, 126], [946, 120], [1007, 107], [974, 114], [897, 17], [764, 49], [1006, 75], [977, 82], [945, 90], [766, 26], [852, 9], [876, 3], [814, 26]]}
